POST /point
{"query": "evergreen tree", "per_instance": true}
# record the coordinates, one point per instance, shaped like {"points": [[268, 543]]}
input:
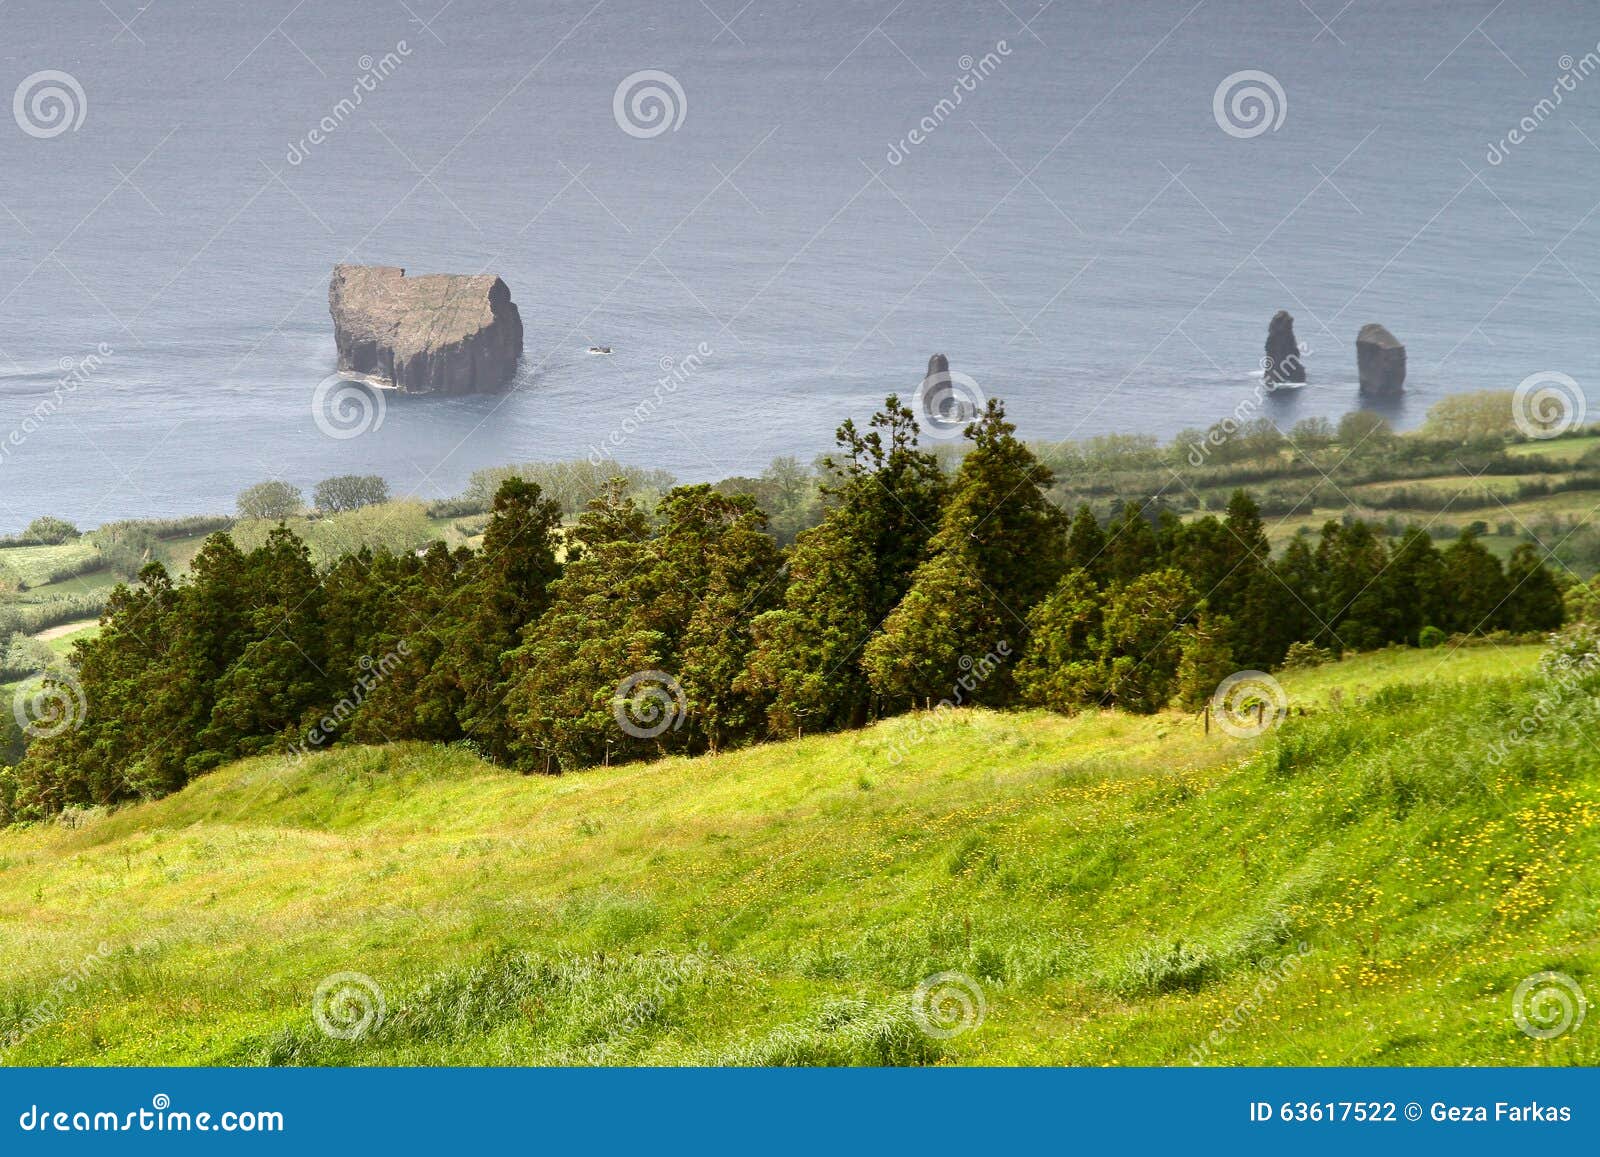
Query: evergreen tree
{"points": [[507, 587], [1533, 601], [596, 633], [1206, 659], [278, 682], [1473, 587], [411, 603], [1296, 596], [1355, 605], [1060, 668], [997, 553], [721, 570], [1132, 548], [845, 576], [1412, 584], [1086, 546], [1140, 641]]}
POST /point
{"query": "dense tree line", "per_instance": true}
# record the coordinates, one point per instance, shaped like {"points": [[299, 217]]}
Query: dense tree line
{"points": [[917, 584]]}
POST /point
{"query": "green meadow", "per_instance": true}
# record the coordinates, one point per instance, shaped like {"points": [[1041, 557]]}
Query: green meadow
{"points": [[1364, 884]]}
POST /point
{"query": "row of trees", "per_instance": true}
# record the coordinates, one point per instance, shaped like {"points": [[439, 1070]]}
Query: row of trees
{"points": [[916, 584], [344, 492]]}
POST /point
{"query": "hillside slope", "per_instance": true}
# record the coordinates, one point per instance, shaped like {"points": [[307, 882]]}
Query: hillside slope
{"points": [[1363, 885]]}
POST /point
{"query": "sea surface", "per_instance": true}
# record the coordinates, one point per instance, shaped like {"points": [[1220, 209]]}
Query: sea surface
{"points": [[1080, 233]]}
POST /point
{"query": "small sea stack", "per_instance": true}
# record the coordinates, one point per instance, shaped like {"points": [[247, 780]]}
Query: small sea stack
{"points": [[1380, 361], [1283, 363], [946, 402]]}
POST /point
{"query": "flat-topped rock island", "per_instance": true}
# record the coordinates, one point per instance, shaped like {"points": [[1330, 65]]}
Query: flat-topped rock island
{"points": [[440, 333]]}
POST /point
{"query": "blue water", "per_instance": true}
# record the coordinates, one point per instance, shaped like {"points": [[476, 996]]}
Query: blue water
{"points": [[1079, 235]]}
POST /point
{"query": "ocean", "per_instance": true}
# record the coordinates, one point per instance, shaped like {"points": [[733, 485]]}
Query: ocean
{"points": [[1065, 199]]}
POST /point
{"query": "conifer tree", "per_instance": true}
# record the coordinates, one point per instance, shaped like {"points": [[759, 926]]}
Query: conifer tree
{"points": [[595, 634], [1132, 548], [998, 551], [845, 576], [1473, 587], [507, 587], [719, 569], [1086, 546], [1533, 601], [277, 684], [1060, 666], [1140, 642]]}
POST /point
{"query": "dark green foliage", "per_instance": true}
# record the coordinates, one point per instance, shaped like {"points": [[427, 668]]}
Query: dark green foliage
{"points": [[596, 633], [1061, 667], [1141, 644], [1207, 659], [845, 576], [717, 571], [1473, 587], [999, 550], [1131, 546], [507, 586], [558, 648], [1533, 601], [1086, 546]]}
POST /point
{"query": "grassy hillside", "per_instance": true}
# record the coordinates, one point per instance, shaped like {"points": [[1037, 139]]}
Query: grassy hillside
{"points": [[1363, 885]]}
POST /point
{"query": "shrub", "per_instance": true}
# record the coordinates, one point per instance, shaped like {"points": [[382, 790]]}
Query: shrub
{"points": [[1302, 655], [1430, 637], [48, 531], [125, 547], [273, 500]]}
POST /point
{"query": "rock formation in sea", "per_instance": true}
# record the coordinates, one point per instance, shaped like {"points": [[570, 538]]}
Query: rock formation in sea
{"points": [[1283, 362], [439, 333], [1380, 360]]}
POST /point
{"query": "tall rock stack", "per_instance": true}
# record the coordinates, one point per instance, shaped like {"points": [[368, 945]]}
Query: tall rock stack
{"points": [[945, 403], [1380, 361], [442, 333], [1283, 362]]}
